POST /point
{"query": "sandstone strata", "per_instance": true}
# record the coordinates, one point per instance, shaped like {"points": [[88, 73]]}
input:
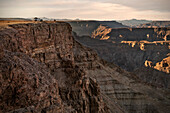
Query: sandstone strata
{"points": [[27, 85], [123, 91], [43, 69], [163, 66], [132, 57], [44, 77], [132, 34]]}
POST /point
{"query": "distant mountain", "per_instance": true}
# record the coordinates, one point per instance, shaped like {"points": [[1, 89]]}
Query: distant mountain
{"points": [[134, 22], [27, 19], [51, 19], [43, 18]]}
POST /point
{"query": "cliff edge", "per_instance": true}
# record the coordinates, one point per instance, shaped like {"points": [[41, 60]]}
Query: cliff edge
{"points": [[44, 69]]}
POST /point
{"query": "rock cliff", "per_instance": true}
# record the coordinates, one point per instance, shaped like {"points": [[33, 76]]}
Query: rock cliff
{"points": [[164, 65], [27, 85], [123, 91], [43, 69], [38, 72], [129, 47], [131, 56], [132, 34]]}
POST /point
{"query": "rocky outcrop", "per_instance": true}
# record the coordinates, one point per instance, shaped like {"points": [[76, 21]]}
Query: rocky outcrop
{"points": [[45, 72], [145, 45], [102, 32], [129, 47], [129, 55], [163, 66], [27, 85], [132, 34], [119, 88], [132, 58]]}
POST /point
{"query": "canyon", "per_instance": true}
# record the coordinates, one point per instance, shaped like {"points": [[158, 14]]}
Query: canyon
{"points": [[45, 68], [132, 49], [129, 47]]}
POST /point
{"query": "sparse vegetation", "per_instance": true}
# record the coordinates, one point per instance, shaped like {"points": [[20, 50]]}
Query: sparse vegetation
{"points": [[35, 19]]}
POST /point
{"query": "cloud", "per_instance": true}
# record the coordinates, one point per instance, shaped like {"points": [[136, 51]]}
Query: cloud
{"points": [[95, 9], [156, 5]]}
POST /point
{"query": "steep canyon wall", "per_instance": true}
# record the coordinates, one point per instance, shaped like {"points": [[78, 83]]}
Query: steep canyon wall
{"points": [[43, 69]]}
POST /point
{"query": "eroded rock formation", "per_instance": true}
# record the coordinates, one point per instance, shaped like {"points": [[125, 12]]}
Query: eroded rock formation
{"points": [[131, 57], [163, 66], [132, 34], [102, 32], [123, 91], [26, 85], [43, 69], [38, 72]]}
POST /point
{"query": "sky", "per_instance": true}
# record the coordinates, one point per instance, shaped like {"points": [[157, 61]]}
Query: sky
{"points": [[87, 9]]}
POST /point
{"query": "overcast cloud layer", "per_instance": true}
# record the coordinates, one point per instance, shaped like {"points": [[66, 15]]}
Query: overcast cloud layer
{"points": [[87, 9]]}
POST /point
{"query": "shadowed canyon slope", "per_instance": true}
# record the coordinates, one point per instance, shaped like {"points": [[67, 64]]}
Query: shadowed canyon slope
{"points": [[130, 48], [43, 69]]}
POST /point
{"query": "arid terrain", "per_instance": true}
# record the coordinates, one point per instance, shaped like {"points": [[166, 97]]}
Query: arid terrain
{"points": [[133, 49], [64, 67]]}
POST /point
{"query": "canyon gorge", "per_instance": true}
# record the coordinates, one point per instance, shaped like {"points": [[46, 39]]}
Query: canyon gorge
{"points": [[83, 67], [130, 48]]}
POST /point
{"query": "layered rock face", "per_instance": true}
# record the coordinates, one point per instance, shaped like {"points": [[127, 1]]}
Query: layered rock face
{"points": [[131, 56], [164, 65], [151, 44], [133, 34], [123, 91], [38, 72], [45, 68], [102, 32], [27, 85]]}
